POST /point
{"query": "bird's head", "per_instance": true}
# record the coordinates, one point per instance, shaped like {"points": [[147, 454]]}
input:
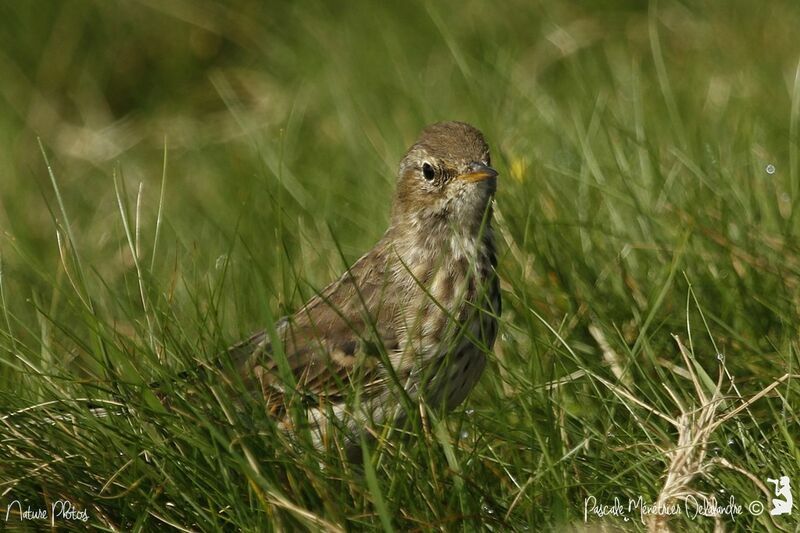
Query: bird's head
{"points": [[445, 178]]}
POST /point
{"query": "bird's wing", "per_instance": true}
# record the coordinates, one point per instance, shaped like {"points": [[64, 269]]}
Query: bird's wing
{"points": [[331, 345]]}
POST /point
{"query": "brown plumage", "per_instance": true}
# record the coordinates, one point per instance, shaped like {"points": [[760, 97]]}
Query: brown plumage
{"points": [[425, 299]]}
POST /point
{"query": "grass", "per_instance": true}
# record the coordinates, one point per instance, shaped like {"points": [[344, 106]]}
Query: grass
{"points": [[203, 169]]}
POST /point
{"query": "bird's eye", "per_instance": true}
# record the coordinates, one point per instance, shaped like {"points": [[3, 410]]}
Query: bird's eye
{"points": [[427, 171]]}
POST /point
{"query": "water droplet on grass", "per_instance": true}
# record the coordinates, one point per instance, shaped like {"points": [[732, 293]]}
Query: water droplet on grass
{"points": [[770, 169]]}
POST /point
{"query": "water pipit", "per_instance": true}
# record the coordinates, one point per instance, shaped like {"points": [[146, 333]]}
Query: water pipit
{"points": [[417, 313]]}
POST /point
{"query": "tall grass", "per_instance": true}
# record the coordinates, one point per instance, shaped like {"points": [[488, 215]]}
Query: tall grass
{"points": [[203, 169]]}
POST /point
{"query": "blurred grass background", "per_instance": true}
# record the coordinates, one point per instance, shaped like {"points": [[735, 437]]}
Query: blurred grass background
{"points": [[650, 181]]}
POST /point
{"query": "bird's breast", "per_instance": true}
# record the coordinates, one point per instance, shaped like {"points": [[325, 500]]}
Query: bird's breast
{"points": [[443, 291]]}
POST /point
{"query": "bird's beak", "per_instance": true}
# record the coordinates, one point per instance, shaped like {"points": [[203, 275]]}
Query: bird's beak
{"points": [[478, 172]]}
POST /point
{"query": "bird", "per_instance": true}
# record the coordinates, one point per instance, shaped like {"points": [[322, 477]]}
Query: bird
{"points": [[411, 321]]}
